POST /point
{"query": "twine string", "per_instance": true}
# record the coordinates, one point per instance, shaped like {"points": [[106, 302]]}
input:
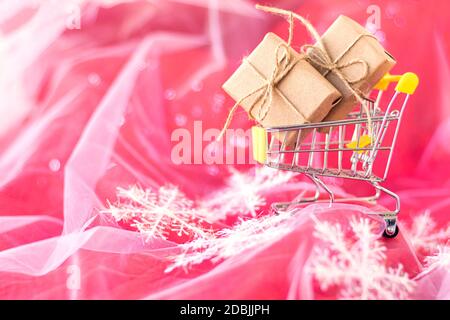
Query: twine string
{"points": [[282, 66]]}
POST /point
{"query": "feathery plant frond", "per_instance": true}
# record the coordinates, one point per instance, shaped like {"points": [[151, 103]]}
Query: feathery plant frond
{"points": [[158, 214], [357, 268], [226, 243]]}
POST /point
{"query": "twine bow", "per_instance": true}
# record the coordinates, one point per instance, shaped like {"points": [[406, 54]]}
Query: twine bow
{"points": [[316, 54], [283, 65], [320, 58]]}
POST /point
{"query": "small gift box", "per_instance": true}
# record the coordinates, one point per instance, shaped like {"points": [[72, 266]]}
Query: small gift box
{"points": [[278, 87], [359, 57]]}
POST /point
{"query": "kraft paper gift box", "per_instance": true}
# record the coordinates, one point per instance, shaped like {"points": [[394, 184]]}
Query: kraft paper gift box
{"points": [[345, 33], [310, 95]]}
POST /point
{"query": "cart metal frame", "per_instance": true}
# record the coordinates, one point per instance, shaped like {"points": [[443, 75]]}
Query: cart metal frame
{"points": [[323, 150]]}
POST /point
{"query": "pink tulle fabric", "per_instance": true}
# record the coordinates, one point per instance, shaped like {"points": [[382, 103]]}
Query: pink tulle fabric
{"points": [[86, 110]]}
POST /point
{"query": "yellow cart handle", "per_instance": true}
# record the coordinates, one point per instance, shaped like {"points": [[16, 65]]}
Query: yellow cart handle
{"points": [[406, 83], [259, 139]]}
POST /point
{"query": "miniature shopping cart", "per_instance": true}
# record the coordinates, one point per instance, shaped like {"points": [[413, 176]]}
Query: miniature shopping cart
{"points": [[343, 148]]}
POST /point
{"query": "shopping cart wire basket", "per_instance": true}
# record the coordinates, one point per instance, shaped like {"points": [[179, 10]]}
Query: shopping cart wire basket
{"points": [[342, 148]]}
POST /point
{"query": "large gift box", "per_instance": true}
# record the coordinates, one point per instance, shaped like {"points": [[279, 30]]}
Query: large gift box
{"points": [[353, 49], [298, 93]]}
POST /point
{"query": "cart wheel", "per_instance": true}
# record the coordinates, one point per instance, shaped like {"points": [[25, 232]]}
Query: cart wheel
{"points": [[391, 231]]}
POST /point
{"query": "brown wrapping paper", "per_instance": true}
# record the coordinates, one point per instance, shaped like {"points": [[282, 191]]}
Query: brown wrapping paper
{"points": [[310, 95], [339, 36]]}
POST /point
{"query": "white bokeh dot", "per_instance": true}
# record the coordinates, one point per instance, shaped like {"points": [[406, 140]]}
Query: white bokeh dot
{"points": [[54, 165], [180, 120], [94, 79], [170, 94], [197, 86]]}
